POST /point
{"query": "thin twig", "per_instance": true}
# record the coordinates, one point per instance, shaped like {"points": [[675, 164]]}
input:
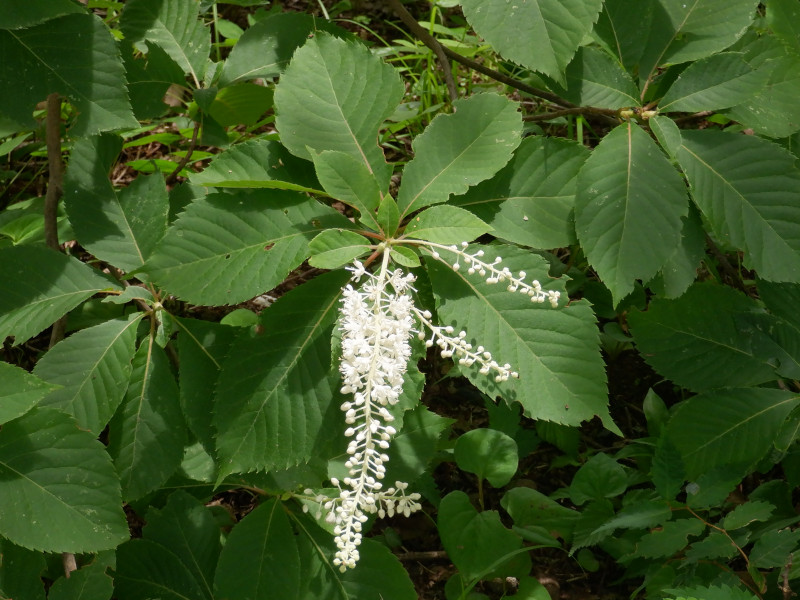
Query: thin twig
{"points": [[429, 555], [173, 177], [578, 110], [431, 43], [55, 181]]}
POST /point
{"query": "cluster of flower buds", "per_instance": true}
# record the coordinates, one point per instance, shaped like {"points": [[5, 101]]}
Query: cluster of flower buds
{"points": [[492, 273]]}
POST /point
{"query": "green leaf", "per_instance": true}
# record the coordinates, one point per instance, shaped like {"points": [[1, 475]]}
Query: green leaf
{"points": [[16, 14], [261, 558], [263, 233], [241, 104], [173, 26], [90, 582], [350, 181], [125, 230], [416, 444], [19, 391], [147, 435], [73, 55], [149, 78], [628, 209], [258, 163], [641, 515], [202, 347], [187, 529], [378, 574], [774, 111], [620, 28], [686, 339], [334, 248], [726, 173], [460, 525], [92, 366], [774, 548], [489, 454], [21, 572], [555, 351], [600, 477], [680, 270], [552, 30], [123, 227], [781, 299], [594, 78], [530, 201], [274, 392], [446, 225], [668, 539], [46, 284], [722, 592], [783, 19], [265, 49], [728, 427], [682, 31], [388, 216], [459, 150], [325, 101], [719, 81], [667, 133], [59, 490], [146, 570], [668, 471], [531, 509], [744, 514]]}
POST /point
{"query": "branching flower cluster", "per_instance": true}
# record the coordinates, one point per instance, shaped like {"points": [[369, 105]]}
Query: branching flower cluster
{"points": [[377, 322]]}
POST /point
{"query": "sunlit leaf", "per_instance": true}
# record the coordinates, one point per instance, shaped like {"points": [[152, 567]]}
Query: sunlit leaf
{"points": [[19, 391]]}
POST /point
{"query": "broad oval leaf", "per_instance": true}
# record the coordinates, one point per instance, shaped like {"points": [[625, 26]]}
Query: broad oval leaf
{"points": [[541, 35], [146, 570], [459, 150], [263, 233], [460, 526], [687, 339], [681, 31], [712, 83], [628, 208], [728, 427], [530, 201], [727, 175], [74, 55], [774, 111], [334, 248], [265, 49], [93, 366], [326, 101], [594, 78], [350, 181], [19, 391], [274, 389], [555, 350], [489, 454], [783, 19], [58, 488], [446, 225], [174, 26], [147, 435], [261, 558], [21, 572], [258, 163], [16, 14], [44, 285]]}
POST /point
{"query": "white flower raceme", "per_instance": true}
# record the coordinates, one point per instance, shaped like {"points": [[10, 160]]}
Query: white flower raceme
{"points": [[377, 322]]}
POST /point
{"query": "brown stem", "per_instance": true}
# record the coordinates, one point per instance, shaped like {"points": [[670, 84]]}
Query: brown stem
{"points": [[56, 176], [68, 560], [578, 110], [173, 177], [430, 42], [54, 190], [425, 555]]}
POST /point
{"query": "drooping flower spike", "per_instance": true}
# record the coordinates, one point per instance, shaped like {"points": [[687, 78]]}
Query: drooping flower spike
{"points": [[377, 322]]}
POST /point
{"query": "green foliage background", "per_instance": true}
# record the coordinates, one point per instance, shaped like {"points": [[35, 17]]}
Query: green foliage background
{"points": [[640, 157]]}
